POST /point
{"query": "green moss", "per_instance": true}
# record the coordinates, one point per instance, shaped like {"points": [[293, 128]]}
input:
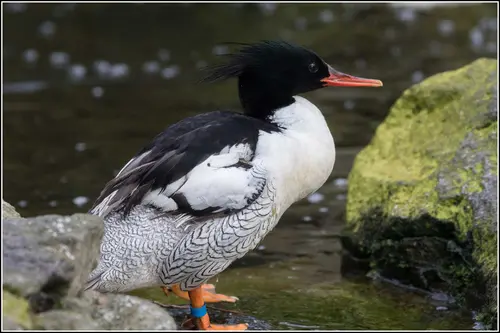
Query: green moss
{"points": [[409, 146], [429, 158], [17, 310]]}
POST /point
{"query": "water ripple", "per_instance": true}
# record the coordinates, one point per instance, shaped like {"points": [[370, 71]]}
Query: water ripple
{"points": [[24, 87]]}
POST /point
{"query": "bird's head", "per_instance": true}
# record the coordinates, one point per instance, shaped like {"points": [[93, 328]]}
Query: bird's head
{"points": [[270, 73], [286, 67]]}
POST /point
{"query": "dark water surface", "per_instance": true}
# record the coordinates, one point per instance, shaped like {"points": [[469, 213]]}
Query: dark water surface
{"points": [[86, 85]]}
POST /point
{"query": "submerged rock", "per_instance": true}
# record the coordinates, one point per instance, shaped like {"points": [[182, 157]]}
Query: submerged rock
{"points": [[46, 260], [422, 197], [225, 317]]}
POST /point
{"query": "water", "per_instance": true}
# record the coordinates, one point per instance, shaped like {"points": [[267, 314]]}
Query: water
{"points": [[86, 85]]}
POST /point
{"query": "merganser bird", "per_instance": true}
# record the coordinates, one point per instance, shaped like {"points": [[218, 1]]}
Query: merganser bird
{"points": [[209, 188]]}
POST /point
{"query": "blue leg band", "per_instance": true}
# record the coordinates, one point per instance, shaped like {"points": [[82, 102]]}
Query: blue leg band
{"points": [[199, 312]]}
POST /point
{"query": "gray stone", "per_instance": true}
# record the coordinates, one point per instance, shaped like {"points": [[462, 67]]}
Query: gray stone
{"points": [[8, 210], [95, 311], [124, 312], [41, 250], [11, 325], [47, 260], [66, 320]]}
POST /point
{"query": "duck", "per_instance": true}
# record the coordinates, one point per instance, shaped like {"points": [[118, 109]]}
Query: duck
{"points": [[209, 188]]}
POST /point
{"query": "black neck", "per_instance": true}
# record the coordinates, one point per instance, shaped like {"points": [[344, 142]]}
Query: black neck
{"points": [[261, 99]]}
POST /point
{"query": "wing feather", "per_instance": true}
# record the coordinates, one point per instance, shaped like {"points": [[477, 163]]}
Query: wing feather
{"points": [[200, 166]]}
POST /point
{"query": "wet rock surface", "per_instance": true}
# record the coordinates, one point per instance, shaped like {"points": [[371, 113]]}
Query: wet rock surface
{"points": [[46, 260], [222, 317]]}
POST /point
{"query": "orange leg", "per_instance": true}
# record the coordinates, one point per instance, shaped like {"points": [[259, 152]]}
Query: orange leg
{"points": [[200, 315], [208, 290]]}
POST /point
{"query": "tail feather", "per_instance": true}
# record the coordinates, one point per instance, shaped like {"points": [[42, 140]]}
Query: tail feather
{"points": [[93, 281]]}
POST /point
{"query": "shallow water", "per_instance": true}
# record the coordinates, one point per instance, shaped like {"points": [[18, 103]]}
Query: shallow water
{"points": [[85, 86], [298, 294]]}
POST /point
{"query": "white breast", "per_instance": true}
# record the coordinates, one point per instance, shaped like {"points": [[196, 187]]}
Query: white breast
{"points": [[300, 159]]}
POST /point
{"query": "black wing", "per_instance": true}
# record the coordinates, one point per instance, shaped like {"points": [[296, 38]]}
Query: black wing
{"points": [[168, 172]]}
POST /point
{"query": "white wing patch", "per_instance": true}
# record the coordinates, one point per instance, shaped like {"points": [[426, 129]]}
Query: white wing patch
{"points": [[216, 182], [219, 186], [161, 199], [224, 181]]}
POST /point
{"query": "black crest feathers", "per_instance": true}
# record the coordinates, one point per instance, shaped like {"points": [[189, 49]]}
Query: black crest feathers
{"points": [[248, 57]]}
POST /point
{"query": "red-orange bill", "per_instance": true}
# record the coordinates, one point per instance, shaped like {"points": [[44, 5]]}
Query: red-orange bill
{"points": [[338, 79]]}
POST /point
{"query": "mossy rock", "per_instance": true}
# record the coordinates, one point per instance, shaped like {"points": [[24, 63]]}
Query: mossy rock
{"points": [[422, 196], [16, 312]]}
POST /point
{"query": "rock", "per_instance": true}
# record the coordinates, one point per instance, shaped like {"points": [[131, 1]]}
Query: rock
{"points": [[422, 196], [126, 312], [96, 311], [16, 314], [225, 318], [11, 325], [46, 260], [66, 320], [49, 254], [9, 211]]}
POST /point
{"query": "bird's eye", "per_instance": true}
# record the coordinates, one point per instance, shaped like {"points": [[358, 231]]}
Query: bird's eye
{"points": [[313, 68]]}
